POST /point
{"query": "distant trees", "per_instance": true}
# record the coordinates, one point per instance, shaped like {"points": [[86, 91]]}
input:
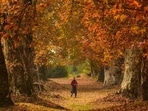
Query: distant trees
{"points": [[57, 72]]}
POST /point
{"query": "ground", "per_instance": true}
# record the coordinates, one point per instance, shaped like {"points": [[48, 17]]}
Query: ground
{"points": [[92, 96]]}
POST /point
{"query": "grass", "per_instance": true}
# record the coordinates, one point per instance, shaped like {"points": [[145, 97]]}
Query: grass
{"points": [[80, 107]]}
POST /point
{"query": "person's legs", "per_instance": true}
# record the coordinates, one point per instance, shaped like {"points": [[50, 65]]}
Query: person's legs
{"points": [[76, 94], [71, 93], [74, 90]]}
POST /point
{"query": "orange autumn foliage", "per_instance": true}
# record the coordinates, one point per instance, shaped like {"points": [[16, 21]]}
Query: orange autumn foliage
{"points": [[114, 26]]}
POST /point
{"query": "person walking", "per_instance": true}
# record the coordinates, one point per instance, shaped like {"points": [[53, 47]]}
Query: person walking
{"points": [[74, 87]]}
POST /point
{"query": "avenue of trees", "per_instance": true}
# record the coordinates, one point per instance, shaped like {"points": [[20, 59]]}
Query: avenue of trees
{"points": [[110, 35]]}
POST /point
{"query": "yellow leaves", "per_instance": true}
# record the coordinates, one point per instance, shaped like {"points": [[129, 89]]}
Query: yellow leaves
{"points": [[138, 30], [93, 28], [135, 29], [143, 30], [121, 17], [107, 57], [4, 2], [105, 1], [134, 3], [88, 1], [41, 6], [117, 17], [117, 8], [120, 53]]}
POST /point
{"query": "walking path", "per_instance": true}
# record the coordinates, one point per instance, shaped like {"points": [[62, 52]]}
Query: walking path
{"points": [[88, 92]]}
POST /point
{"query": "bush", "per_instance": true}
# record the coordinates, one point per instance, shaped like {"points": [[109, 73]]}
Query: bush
{"points": [[57, 72]]}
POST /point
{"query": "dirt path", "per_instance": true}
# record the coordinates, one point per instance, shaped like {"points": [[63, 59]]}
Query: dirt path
{"points": [[88, 92], [91, 97]]}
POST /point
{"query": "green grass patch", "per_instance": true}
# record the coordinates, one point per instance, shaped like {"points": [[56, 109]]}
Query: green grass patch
{"points": [[80, 107]]}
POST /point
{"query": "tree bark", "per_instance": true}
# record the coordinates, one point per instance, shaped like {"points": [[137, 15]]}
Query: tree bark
{"points": [[130, 85], [25, 52], [101, 74], [5, 95], [25, 57], [144, 79], [20, 52], [97, 69], [113, 73], [43, 72]]}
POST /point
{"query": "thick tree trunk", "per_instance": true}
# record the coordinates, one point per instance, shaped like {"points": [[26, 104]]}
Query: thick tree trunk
{"points": [[130, 85], [5, 95], [25, 57], [26, 51], [20, 52], [20, 66], [144, 79], [113, 73]]}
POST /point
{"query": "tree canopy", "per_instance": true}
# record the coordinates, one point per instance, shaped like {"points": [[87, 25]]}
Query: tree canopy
{"points": [[70, 32]]}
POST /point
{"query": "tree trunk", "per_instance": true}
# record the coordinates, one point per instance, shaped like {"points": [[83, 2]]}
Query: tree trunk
{"points": [[101, 74], [42, 71], [130, 85], [144, 79], [25, 57], [113, 73], [97, 69], [20, 65], [26, 50], [5, 95], [109, 78], [20, 52]]}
